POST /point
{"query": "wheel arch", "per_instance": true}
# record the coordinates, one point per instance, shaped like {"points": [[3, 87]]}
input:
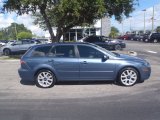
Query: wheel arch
{"points": [[129, 66], [45, 68]]}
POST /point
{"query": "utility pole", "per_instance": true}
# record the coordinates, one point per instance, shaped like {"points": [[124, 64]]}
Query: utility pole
{"points": [[144, 30], [153, 20], [130, 24], [15, 27]]}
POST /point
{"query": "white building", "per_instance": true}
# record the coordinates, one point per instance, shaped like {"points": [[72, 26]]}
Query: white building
{"points": [[101, 27]]}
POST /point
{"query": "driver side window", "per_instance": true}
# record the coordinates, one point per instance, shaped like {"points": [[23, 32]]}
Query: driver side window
{"points": [[89, 52]]}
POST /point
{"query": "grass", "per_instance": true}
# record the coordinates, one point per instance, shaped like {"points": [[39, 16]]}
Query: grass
{"points": [[11, 57]]}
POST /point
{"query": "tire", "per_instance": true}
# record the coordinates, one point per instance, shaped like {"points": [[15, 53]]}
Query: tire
{"points": [[6, 52], [45, 79], [118, 47], [146, 40], [128, 76], [155, 41]]}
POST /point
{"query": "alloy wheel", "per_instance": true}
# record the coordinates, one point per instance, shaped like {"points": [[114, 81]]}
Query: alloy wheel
{"points": [[128, 77], [45, 79]]}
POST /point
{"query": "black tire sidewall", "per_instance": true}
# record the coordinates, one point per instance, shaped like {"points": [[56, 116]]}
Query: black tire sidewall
{"points": [[118, 47], [7, 52]]}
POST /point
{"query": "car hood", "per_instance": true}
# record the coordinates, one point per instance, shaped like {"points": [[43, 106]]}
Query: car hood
{"points": [[128, 57]]}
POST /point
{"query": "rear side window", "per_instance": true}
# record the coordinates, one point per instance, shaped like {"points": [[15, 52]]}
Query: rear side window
{"points": [[63, 51], [41, 51]]}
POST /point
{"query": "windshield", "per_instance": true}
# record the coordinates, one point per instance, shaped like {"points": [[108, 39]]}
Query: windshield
{"points": [[106, 51]]}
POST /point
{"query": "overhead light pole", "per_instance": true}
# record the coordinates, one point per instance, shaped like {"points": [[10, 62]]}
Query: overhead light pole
{"points": [[144, 30], [153, 20], [130, 23]]}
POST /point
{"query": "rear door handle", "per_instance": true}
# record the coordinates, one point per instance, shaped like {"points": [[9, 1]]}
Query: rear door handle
{"points": [[84, 62]]}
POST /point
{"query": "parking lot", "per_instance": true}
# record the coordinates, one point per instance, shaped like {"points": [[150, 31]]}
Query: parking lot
{"points": [[15, 95]]}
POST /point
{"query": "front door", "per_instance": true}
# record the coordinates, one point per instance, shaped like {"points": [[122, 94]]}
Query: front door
{"points": [[92, 67]]}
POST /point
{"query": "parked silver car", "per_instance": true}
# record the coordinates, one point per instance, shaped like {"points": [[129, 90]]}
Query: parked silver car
{"points": [[18, 46]]}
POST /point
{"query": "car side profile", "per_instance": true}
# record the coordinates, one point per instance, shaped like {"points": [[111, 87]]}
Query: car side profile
{"points": [[105, 42], [154, 37], [20, 46], [50, 63]]}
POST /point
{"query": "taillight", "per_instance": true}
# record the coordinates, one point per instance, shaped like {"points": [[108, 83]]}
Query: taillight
{"points": [[22, 62]]}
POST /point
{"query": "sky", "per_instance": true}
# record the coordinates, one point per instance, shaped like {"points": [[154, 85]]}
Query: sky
{"points": [[135, 22]]}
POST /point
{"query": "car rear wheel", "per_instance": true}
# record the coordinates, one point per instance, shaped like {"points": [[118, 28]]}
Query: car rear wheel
{"points": [[118, 47], [45, 79], [6, 52], [128, 76]]}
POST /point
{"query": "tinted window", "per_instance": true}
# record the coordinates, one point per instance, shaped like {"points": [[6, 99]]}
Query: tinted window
{"points": [[63, 51], [18, 43], [92, 39], [41, 51], [89, 52], [25, 42]]}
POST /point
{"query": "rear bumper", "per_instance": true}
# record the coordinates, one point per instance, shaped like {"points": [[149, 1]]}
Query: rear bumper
{"points": [[26, 75]]}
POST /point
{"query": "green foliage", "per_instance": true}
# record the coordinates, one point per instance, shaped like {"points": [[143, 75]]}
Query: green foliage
{"points": [[65, 14], [10, 32], [158, 29], [24, 35], [114, 32]]}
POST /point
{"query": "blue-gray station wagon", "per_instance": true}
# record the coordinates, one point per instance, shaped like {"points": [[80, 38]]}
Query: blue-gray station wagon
{"points": [[50, 63]]}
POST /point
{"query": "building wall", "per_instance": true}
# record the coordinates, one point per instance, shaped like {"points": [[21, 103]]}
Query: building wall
{"points": [[102, 27], [105, 26]]}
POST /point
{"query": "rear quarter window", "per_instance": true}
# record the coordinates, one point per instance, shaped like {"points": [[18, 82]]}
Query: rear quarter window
{"points": [[40, 51]]}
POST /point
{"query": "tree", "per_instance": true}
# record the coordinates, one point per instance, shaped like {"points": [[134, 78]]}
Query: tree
{"points": [[114, 32], [24, 35], [65, 14], [1, 35], [12, 31], [158, 29]]}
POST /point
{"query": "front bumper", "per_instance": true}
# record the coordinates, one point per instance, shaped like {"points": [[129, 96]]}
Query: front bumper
{"points": [[145, 73]]}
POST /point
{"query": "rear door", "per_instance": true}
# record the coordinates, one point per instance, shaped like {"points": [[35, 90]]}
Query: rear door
{"points": [[65, 62], [16, 46]]}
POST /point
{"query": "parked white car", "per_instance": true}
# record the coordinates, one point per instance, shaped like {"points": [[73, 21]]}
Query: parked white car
{"points": [[18, 46]]}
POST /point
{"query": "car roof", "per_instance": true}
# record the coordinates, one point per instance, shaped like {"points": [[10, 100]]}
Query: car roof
{"points": [[66, 43]]}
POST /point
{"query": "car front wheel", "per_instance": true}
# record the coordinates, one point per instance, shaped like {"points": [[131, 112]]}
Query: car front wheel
{"points": [[128, 76], [45, 79]]}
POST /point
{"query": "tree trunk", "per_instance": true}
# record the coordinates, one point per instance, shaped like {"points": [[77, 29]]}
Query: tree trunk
{"points": [[48, 24], [59, 34]]}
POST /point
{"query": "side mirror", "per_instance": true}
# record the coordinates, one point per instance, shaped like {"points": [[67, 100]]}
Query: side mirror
{"points": [[104, 58]]}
